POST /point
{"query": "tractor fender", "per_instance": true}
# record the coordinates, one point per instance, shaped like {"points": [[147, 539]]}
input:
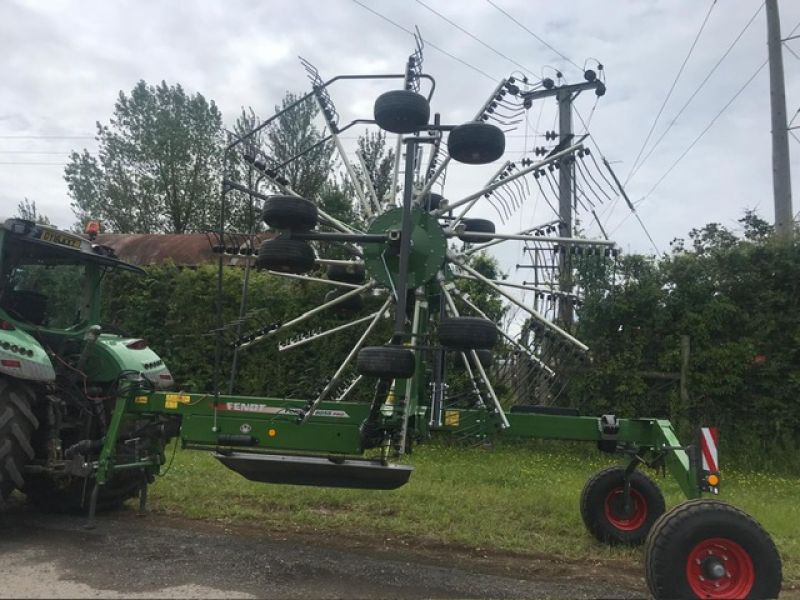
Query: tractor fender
{"points": [[112, 354], [22, 357]]}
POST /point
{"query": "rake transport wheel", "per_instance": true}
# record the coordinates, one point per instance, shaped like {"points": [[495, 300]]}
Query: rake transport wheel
{"points": [[709, 549], [603, 507], [476, 143], [401, 111], [286, 255], [467, 333], [386, 362], [17, 424], [475, 226], [290, 212], [352, 273]]}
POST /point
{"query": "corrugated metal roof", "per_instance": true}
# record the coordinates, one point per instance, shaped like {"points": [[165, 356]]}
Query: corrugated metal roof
{"points": [[185, 250]]}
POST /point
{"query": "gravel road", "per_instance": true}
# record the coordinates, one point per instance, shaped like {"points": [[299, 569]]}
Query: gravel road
{"points": [[127, 556]]}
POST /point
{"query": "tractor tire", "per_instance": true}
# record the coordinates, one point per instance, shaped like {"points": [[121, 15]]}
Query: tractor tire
{"points": [[352, 273], [602, 511], [476, 226], [710, 549], [467, 333], [71, 496], [353, 303], [286, 255], [17, 424], [484, 357], [476, 143], [401, 111], [290, 212], [386, 362]]}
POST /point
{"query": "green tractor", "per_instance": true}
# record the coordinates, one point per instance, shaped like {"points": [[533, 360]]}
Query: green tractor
{"points": [[60, 372]]}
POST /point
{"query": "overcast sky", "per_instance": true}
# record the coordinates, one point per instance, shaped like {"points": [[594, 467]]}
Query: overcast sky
{"points": [[64, 63]]}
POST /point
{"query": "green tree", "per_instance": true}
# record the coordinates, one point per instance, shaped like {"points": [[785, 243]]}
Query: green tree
{"points": [[157, 167], [379, 161], [27, 210]]}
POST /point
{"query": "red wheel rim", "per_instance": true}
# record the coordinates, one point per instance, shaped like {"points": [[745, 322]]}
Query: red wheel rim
{"points": [[720, 568], [614, 513]]}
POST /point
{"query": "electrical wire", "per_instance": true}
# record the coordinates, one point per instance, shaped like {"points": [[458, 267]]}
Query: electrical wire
{"points": [[672, 88], [542, 41], [428, 43]]}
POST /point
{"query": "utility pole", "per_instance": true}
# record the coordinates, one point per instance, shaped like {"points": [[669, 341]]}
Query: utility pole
{"points": [[781, 174], [565, 95]]}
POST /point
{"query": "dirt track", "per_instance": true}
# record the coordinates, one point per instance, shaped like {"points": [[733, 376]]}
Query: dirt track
{"points": [[156, 556]]}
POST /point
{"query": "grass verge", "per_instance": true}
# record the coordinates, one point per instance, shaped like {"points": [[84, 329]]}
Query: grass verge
{"points": [[516, 497]]}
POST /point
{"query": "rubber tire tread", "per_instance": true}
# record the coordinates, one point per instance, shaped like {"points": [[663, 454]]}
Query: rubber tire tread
{"points": [[290, 212], [386, 362], [401, 111], [592, 506], [672, 523], [476, 226], [354, 273], [286, 255], [17, 424], [467, 333], [476, 143]]}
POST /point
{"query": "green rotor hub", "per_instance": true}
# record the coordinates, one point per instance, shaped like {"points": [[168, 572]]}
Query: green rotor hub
{"points": [[428, 248]]}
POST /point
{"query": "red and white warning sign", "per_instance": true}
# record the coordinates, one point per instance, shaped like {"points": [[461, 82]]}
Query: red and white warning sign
{"points": [[708, 449]]}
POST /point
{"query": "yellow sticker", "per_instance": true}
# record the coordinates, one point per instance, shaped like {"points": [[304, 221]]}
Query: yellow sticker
{"points": [[170, 404], [452, 418], [140, 399], [178, 398]]}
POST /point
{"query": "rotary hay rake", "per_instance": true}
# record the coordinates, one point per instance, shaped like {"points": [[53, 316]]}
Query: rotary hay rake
{"points": [[413, 254]]}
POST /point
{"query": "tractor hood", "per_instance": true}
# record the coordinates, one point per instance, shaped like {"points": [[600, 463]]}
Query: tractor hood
{"points": [[22, 357]]}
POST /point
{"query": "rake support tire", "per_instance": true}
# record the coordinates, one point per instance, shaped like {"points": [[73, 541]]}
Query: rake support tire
{"points": [[603, 512], [17, 424], [286, 255], [290, 212], [353, 273], [402, 111], [386, 362], [476, 143], [715, 541], [467, 333], [476, 226]]}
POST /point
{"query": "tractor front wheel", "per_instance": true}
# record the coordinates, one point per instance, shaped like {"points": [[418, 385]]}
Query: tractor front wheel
{"points": [[709, 549], [609, 518]]}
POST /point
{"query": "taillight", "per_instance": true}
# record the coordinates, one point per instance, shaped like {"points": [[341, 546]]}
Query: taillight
{"points": [[14, 364], [6, 326], [136, 345]]}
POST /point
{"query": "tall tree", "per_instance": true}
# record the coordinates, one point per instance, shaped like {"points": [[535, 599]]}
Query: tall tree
{"points": [[157, 167], [379, 161], [28, 210]]}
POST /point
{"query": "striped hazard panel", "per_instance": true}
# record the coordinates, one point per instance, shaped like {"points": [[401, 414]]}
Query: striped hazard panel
{"points": [[708, 449]]}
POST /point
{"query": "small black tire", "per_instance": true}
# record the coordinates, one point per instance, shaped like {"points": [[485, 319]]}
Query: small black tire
{"points": [[724, 538], [476, 226], [402, 111], [353, 303], [476, 143], [432, 202], [290, 212], [602, 507], [386, 362], [467, 333], [17, 424], [484, 358], [286, 255], [352, 273]]}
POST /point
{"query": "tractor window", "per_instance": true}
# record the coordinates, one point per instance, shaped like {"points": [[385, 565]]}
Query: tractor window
{"points": [[49, 295]]}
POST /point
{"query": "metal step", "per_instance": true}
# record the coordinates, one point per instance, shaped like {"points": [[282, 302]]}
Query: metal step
{"points": [[316, 471]]}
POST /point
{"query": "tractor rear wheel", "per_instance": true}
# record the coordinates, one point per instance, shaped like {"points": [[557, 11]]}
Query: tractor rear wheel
{"points": [[17, 424], [603, 507], [709, 549]]}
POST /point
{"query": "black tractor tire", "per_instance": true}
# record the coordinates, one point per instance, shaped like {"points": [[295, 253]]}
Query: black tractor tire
{"points": [[401, 111], [353, 303], [71, 495], [476, 143], [484, 357], [386, 362], [710, 549], [286, 255], [290, 212], [476, 226], [432, 202], [602, 507], [467, 333], [17, 424], [352, 273]]}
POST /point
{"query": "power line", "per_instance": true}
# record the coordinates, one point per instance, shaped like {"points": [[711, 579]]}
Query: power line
{"points": [[427, 42], [476, 38], [561, 54], [694, 94], [671, 89]]}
